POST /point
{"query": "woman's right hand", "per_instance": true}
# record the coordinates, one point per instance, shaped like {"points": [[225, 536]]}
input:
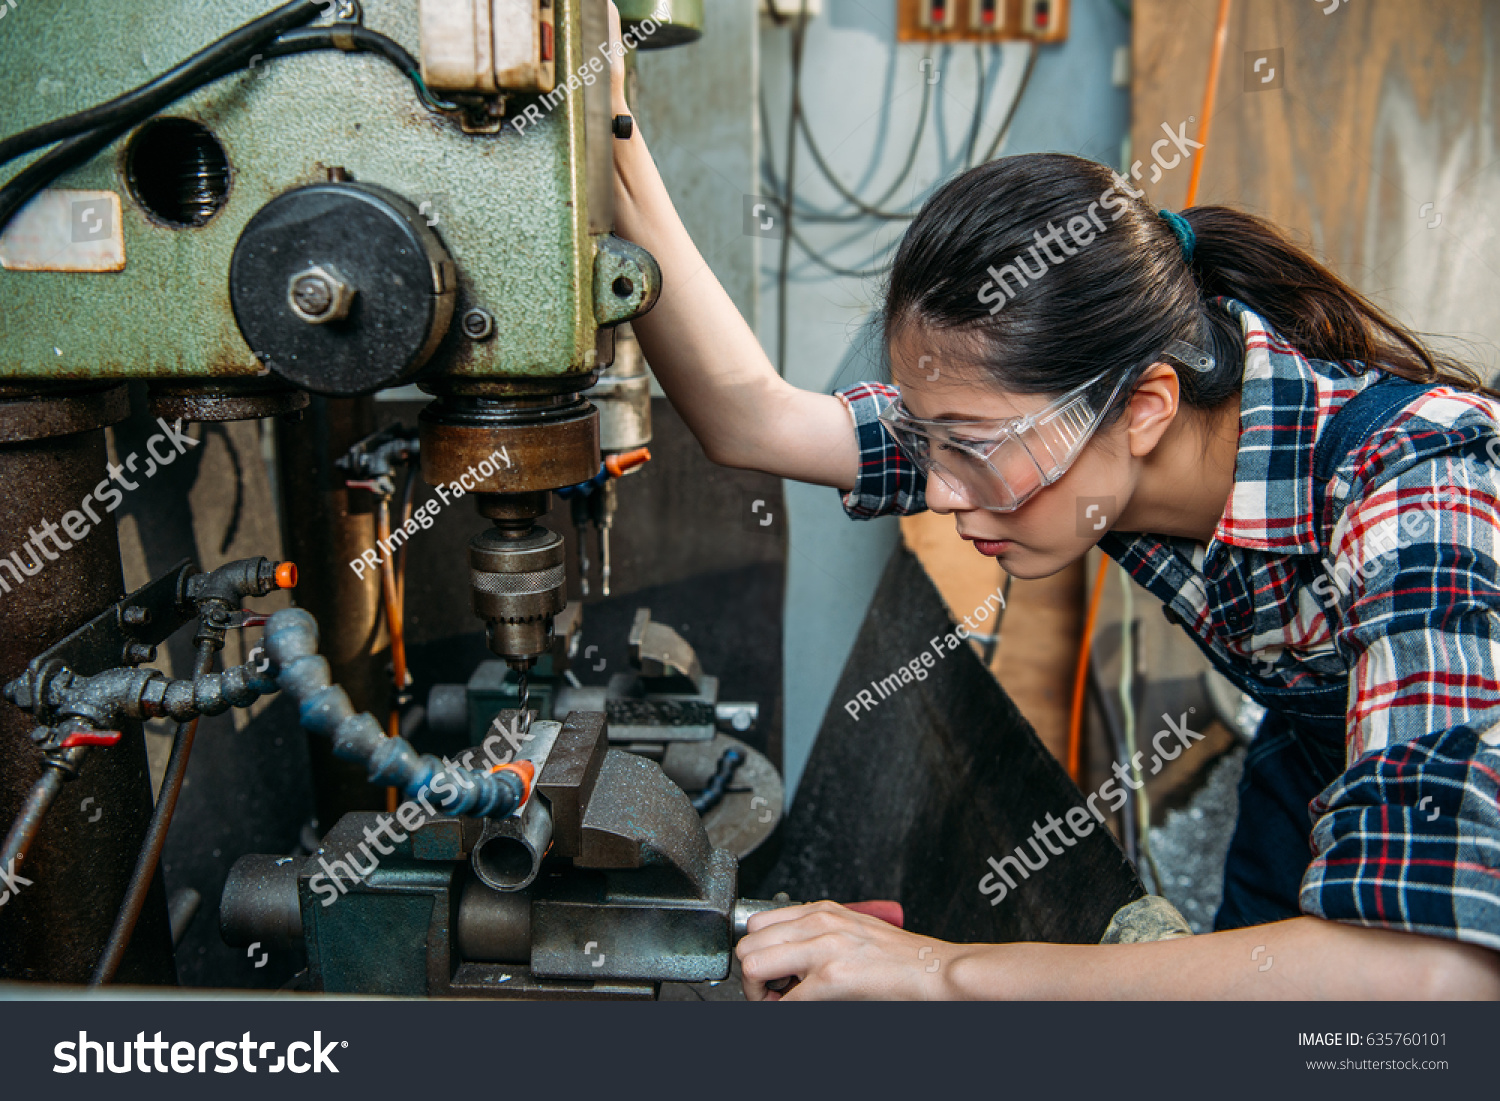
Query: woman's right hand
{"points": [[617, 104], [705, 356]]}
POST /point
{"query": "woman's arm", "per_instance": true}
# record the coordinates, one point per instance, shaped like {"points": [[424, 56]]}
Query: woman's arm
{"points": [[705, 356], [838, 953]]}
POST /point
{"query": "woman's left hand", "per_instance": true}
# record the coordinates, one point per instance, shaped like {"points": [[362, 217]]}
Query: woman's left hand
{"points": [[837, 953]]}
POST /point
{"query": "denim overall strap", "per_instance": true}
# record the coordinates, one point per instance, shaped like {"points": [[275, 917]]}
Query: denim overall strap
{"points": [[1299, 749]]}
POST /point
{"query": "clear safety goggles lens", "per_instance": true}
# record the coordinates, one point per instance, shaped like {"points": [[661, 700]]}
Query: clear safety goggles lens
{"points": [[999, 464]]}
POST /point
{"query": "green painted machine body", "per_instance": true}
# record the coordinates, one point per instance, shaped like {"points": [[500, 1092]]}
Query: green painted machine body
{"points": [[511, 206]]}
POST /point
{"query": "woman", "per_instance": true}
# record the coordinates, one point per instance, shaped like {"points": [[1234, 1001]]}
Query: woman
{"points": [[1056, 344]]}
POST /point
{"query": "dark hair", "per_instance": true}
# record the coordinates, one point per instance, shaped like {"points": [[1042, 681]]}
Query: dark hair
{"points": [[1131, 291]]}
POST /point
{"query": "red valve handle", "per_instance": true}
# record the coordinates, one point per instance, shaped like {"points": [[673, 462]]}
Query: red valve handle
{"points": [[91, 737]]}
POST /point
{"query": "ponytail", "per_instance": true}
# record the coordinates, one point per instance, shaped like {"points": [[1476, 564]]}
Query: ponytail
{"points": [[1238, 255]]}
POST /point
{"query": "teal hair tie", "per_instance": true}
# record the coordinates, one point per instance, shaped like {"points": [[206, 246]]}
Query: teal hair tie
{"points": [[1185, 235]]}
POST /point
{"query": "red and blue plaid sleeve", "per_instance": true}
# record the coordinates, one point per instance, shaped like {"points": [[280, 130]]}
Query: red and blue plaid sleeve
{"points": [[887, 481], [1409, 836]]}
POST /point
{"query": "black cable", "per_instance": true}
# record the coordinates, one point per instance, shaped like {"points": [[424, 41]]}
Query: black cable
{"points": [[799, 37], [979, 65], [867, 209], [1015, 103], [171, 85], [80, 147], [874, 209], [813, 214], [718, 785], [156, 835], [828, 265], [67, 154]]}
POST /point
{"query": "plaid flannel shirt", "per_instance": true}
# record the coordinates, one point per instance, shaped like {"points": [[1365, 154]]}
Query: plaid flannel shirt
{"points": [[1399, 601]]}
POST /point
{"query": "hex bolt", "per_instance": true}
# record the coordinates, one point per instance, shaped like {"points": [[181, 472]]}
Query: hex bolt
{"points": [[479, 324], [320, 295], [622, 126], [137, 617]]}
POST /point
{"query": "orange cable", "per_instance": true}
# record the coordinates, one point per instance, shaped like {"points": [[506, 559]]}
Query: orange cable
{"points": [[1221, 35], [394, 622], [1080, 676]]}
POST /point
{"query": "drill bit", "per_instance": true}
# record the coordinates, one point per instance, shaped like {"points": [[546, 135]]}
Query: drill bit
{"points": [[525, 716], [583, 558], [603, 557]]}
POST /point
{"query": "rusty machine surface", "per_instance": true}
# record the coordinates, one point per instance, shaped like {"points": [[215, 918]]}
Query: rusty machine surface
{"points": [[244, 211]]}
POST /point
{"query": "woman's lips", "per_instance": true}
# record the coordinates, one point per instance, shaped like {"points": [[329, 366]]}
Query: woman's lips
{"points": [[990, 547]]}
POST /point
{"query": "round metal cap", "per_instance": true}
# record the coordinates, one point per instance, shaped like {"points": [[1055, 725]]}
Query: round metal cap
{"points": [[341, 288]]}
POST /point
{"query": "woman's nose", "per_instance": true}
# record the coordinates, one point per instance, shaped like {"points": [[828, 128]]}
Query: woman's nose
{"points": [[942, 499]]}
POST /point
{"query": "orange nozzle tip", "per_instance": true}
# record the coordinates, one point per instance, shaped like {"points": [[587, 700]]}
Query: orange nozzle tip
{"points": [[286, 575], [627, 461], [524, 769]]}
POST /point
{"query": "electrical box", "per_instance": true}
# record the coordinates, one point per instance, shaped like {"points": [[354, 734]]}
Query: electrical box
{"points": [[785, 10], [489, 46], [1040, 21]]}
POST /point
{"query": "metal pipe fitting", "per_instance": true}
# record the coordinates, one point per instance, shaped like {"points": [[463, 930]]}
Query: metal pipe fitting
{"points": [[509, 852], [324, 708]]}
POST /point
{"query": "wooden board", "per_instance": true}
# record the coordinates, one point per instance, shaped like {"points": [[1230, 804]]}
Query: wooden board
{"points": [[1375, 142]]}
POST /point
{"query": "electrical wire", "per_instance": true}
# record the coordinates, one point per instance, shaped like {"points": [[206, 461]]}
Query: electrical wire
{"points": [[1210, 88], [1080, 674], [812, 214], [1015, 103], [1127, 708], [981, 70], [207, 64], [789, 203], [85, 134], [156, 834]]}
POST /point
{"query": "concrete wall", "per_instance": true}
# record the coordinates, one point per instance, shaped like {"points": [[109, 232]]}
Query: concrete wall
{"points": [[862, 95]]}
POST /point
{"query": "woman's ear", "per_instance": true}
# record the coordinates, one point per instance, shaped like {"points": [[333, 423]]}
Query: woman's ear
{"points": [[1152, 408]]}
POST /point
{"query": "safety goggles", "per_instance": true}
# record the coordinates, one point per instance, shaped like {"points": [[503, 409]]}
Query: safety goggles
{"points": [[1000, 464]]}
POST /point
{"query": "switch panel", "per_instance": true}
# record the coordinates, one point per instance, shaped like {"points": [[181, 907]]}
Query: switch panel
{"points": [[489, 46], [926, 21]]}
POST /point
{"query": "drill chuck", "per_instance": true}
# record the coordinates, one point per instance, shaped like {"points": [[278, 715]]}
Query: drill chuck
{"points": [[520, 583]]}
